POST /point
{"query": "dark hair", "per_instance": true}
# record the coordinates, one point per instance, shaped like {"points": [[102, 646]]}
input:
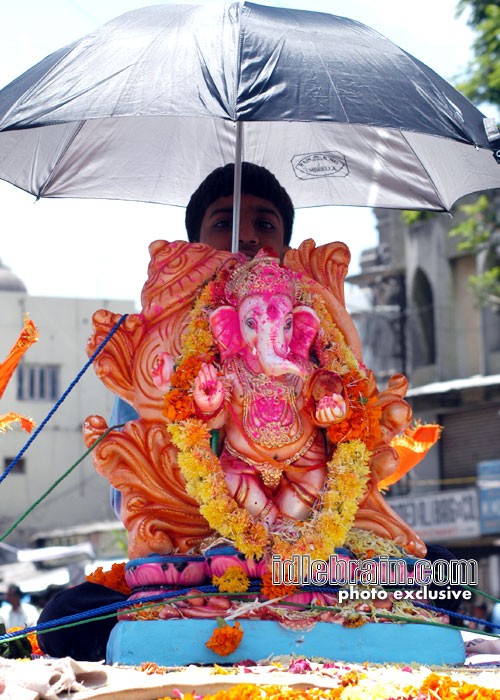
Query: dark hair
{"points": [[15, 590], [255, 180]]}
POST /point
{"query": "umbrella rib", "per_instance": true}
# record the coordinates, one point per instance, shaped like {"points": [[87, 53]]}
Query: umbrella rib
{"points": [[445, 208], [59, 159], [238, 60], [26, 95], [332, 82]]}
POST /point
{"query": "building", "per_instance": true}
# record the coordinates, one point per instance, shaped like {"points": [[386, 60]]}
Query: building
{"points": [[425, 322], [43, 374]]}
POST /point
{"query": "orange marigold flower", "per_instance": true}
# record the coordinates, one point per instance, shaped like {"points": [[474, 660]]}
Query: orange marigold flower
{"points": [[150, 667], [226, 639], [446, 687], [272, 590], [354, 620], [186, 372], [178, 405], [35, 647], [363, 417], [350, 678], [115, 578]]}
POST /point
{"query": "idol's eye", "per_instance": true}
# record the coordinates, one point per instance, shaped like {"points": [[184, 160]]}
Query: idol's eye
{"points": [[250, 322], [288, 324]]}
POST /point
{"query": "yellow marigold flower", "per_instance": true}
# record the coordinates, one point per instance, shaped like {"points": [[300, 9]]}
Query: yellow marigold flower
{"points": [[225, 639], [233, 580]]}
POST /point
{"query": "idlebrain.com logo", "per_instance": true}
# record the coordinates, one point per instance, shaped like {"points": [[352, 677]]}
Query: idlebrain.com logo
{"points": [[324, 164]]}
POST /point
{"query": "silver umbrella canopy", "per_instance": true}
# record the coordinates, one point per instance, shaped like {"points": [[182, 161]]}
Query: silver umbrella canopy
{"points": [[147, 105]]}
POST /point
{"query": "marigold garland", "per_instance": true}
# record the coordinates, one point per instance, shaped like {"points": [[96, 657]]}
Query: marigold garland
{"points": [[198, 346], [363, 419], [356, 685], [347, 475], [225, 639], [115, 578], [347, 470]]}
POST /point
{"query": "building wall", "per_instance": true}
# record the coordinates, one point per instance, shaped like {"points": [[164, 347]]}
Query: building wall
{"points": [[64, 327], [468, 332]]}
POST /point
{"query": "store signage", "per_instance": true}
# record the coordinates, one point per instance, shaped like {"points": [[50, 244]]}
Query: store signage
{"points": [[442, 516]]}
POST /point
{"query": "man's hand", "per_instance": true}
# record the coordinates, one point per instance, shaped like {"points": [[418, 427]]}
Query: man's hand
{"points": [[208, 393], [330, 409]]}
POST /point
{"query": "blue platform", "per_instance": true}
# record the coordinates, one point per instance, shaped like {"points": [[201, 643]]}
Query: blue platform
{"points": [[181, 642]]}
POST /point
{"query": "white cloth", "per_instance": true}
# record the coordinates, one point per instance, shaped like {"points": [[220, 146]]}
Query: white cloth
{"points": [[47, 678], [25, 616]]}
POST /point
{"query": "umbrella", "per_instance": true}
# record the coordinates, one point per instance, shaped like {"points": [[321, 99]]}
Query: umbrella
{"points": [[147, 105]]}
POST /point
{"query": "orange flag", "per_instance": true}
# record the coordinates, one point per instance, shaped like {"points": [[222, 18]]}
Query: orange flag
{"points": [[28, 336], [411, 446]]}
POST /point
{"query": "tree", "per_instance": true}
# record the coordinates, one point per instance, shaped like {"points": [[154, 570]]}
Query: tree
{"points": [[482, 83], [480, 231]]}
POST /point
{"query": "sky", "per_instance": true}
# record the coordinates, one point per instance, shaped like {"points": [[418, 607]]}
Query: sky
{"points": [[38, 240]]}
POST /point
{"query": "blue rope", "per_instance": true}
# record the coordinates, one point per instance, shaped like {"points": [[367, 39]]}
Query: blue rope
{"points": [[455, 614], [120, 605], [113, 607], [59, 402]]}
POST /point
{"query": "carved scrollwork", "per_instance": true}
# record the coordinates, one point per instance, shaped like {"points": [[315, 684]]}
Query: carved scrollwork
{"points": [[327, 266], [141, 462]]}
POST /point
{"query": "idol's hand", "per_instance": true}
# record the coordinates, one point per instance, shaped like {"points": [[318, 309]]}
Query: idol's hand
{"points": [[162, 370], [330, 409], [208, 393]]}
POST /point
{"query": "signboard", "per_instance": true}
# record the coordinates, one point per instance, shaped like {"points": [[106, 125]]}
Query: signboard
{"points": [[442, 516], [488, 483]]}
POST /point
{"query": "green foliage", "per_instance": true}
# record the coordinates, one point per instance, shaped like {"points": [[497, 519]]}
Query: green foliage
{"points": [[121, 540], [483, 81], [482, 84], [413, 216], [15, 648], [478, 227], [476, 233], [486, 288]]}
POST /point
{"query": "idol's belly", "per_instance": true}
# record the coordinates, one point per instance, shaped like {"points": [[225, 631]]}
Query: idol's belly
{"points": [[241, 443]]}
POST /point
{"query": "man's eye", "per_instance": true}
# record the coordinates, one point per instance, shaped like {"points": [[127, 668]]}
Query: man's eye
{"points": [[267, 225], [223, 223]]}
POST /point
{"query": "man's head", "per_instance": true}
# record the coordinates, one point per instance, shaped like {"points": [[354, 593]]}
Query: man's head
{"points": [[14, 595], [266, 214]]}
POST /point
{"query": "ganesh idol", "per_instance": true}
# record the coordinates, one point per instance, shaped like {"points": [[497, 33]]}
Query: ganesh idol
{"points": [[257, 421], [274, 452]]}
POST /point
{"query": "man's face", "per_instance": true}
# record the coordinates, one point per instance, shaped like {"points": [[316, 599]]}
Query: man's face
{"points": [[261, 225], [13, 598]]}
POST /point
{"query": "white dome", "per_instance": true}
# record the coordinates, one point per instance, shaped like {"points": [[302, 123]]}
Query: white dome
{"points": [[9, 282]]}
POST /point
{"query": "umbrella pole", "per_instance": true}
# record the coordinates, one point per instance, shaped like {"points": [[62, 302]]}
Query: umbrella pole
{"points": [[237, 188]]}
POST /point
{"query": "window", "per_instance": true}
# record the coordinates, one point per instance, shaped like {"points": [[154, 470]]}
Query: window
{"points": [[18, 468], [422, 321], [37, 382]]}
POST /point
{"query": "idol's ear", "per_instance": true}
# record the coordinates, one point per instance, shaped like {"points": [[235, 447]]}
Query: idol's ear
{"points": [[305, 328], [225, 325]]}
